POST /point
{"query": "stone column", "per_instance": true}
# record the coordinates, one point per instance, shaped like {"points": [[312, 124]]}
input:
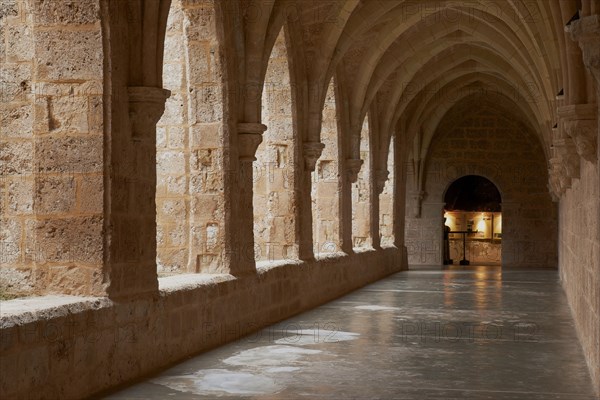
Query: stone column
{"points": [[512, 249], [350, 170], [133, 182], [399, 197], [241, 249], [311, 151], [379, 177], [432, 232], [416, 197]]}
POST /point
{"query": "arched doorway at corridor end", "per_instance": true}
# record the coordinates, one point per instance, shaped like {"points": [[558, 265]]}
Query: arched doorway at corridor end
{"points": [[472, 204]]}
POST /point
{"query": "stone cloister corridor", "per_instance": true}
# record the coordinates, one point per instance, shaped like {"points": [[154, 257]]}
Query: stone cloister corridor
{"points": [[458, 333], [178, 175]]}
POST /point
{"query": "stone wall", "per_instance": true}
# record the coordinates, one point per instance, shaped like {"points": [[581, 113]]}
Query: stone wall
{"points": [[579, 257], [503, 150], [478, 252], [71, 347], [51, 148]]}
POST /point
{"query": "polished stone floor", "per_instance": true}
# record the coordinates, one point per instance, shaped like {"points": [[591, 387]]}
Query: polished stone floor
{"points": [[463, 333]]}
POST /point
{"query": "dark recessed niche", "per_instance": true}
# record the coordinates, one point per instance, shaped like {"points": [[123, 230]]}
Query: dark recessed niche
{"points": [[473, 193]]}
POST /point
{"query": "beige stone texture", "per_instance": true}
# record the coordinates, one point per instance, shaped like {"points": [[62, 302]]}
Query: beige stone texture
{"points": [[52, 148], [579, 259], [128, 146]]}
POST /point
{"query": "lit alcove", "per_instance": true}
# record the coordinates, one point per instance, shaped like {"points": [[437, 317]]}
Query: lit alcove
{"points": [[473, 205]]}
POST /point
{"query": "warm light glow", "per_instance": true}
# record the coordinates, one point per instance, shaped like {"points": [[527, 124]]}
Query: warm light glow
{"points": [[481, 225]]}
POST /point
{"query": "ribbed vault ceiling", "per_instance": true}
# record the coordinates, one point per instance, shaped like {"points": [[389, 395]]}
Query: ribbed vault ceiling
{"points": [[414, 59]]}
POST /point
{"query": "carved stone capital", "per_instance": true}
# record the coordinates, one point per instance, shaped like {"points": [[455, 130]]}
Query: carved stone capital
{"points": [[581, 124], [558, 179], [553, 187], [586, 31], [381, 177], [146, 106], [353, 168], [311, 152], [249, 138], [585, 137], [416, 198], [567, 154]]}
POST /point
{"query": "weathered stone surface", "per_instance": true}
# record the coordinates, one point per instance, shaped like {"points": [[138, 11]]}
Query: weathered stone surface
{"points": [[66, 12], [11, 240], [579, 258], [15, 85], [55, 195], [69, 154], [90, 194], [67, 240], [19, 43], [15, 158], [20, 195], [84, 63], [17, 120]]}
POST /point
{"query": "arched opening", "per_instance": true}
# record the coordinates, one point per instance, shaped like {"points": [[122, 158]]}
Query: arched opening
{"points": [[275, 230], [473, 206], [491, 139], [189, 160], [361, 194], [325, 183], [386, 202]]}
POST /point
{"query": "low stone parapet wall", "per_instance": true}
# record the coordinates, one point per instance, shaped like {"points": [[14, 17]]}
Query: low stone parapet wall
{"points": [[71, 347]]}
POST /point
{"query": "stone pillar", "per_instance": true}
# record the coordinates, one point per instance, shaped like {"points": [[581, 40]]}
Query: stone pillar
{"points": [[133, 175], [512, 250], [52, 145], [350, 175], [311, 151], [432, 232], [379, 177], [241, 249], [416, 197], [399, 196]]}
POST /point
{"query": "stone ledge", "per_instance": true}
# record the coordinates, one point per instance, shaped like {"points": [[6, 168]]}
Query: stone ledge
{"points": [[329, 257], [23, 311], [175, 283], [362, 250], [265, 266]]}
